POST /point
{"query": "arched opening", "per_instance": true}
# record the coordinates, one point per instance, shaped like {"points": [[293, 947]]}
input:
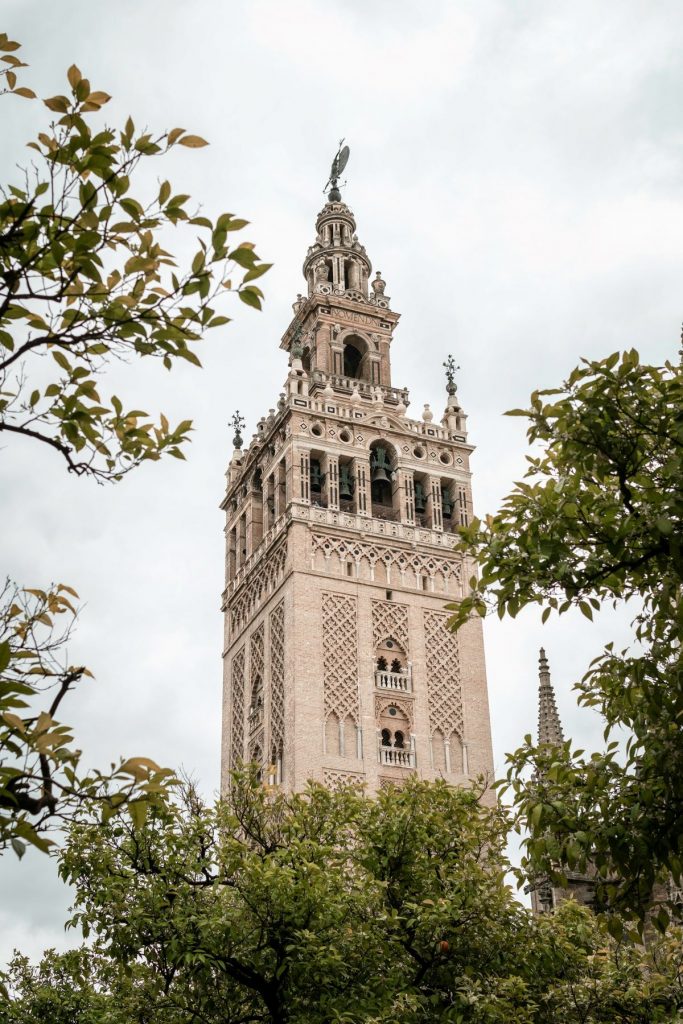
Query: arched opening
{"points": [[395, 744], [383, 489], [355, 363], [332, 734], [352, 360], [392, 671], [306, 360]]}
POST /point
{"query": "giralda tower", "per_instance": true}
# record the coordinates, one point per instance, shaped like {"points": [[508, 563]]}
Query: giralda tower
{"points": [[341, 519]]}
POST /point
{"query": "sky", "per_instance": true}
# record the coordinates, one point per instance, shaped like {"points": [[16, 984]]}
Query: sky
{"points": [[515, 173]]}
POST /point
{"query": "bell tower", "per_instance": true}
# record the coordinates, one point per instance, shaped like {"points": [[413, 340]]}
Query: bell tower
{"points": [[341, 519]]}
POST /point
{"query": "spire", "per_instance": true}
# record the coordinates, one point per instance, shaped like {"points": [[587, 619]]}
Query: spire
{"points": [[549, 726]]}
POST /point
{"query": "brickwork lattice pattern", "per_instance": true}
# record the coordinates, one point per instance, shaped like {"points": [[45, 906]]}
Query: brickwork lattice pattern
{"points": [[403, 566], [277, 678], [264, 578], [237, 710], [256, 659], [340, 655], [390, 620], [443, 675]]}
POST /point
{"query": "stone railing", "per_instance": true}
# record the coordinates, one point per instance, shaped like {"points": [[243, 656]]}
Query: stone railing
{"points": [[373, 525], [399, 681], [346, 385], [396, 757]]}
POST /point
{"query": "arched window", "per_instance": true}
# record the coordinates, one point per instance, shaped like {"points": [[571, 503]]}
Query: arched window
{"points": [[256, 693], [396, 665], [353, 357], [382, 664], [306, 360], [386, 738], [398, 739]]}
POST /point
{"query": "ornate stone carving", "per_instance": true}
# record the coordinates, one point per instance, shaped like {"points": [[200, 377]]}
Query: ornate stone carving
{"points": [[340, 656], [404, 703], [334, 779], [277, 678], [443, 675], [264, 578], [256, 660], [390, 620], [237, 710], [404, 566]]}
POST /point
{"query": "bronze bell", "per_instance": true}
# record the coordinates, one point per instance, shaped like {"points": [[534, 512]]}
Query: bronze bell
{"points": [[317, 478], [345, 482], [379, 467], [447, 505], [420, 498]]}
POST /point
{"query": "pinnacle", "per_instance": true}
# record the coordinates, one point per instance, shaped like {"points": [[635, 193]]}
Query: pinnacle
{"points": [[549, 725]]}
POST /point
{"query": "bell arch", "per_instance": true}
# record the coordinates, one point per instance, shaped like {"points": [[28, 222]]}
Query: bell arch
{"points": [[355, 356]]}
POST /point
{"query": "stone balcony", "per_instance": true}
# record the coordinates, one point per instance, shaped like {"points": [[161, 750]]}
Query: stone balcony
{"points": [[345, 386], [397, 682], [397, 758]]}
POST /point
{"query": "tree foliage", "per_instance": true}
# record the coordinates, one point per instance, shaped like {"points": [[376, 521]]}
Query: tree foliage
{"points": [[327, 907], [87, 277], [40, 781], [598, 520]]}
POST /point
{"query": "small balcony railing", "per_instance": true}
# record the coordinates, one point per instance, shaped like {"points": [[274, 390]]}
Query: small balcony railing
{"points": [[398, 681], [397, 757]]}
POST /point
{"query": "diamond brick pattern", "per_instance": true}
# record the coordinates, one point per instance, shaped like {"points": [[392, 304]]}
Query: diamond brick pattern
{"points": [[390, 620], [340, 655], [237, 715], [277, 679], [443, 675]]}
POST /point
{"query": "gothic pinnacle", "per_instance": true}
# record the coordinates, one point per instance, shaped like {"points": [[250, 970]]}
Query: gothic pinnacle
{"points": [[549, 725]]}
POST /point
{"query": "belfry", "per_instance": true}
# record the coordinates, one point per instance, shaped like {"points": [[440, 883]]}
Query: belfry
{"points": [[341, 519]]}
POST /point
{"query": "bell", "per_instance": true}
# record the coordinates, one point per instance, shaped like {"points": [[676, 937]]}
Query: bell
{"points": [[420, 499], [317, 478], [345, 483], [379, 467], [447, 505], [378, 474]]}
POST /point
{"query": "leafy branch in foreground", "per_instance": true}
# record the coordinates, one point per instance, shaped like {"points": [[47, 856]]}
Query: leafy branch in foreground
{"points": [[599, 520], [327, 907], [40, 782], [86, 277]]}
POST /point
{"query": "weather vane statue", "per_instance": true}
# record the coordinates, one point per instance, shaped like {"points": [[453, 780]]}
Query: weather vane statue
{"points": [[237, 424], [451, 370], [338, 164]]}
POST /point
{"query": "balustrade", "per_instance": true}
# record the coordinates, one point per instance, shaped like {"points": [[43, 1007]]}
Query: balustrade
{"points": [[397, 757], [400, 681]]}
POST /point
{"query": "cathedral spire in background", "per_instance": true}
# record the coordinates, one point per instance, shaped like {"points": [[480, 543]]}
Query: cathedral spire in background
{"points": [[549, 725]]}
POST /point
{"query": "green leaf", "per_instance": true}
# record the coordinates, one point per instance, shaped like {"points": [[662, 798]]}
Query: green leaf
{"points": [[250, 298]]}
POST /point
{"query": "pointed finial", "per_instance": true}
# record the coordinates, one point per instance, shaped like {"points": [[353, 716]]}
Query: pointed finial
{"points": [[451, 369], [549, 725], [237, 424]]}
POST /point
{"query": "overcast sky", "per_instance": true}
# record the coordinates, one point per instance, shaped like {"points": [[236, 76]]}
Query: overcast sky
{"points": [[515, 173]]}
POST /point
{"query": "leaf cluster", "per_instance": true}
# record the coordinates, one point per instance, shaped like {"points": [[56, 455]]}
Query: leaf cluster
{"points": [[86, 277], [41, 785], [328, 907], [599, 520]]}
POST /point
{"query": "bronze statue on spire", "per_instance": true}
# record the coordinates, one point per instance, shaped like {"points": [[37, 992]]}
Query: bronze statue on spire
{"points": [[338, 164]]}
